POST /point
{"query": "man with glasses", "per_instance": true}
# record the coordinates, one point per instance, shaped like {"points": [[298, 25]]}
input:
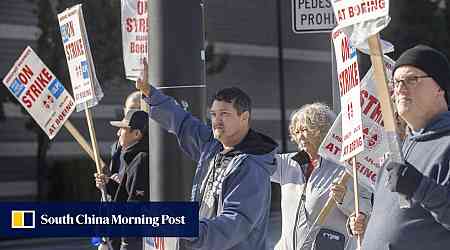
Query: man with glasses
{"points": [[421, 79]]}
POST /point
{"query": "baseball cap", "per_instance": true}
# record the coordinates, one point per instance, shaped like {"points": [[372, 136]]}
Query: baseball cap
{"points": [[134, 119]]}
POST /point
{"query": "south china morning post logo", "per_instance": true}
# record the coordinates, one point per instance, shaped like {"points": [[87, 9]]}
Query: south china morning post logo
{"points": [[93, 219], [22, 219]]}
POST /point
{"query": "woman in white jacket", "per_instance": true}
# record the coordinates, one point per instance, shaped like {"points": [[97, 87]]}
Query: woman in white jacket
{"points": [[307, 180]]}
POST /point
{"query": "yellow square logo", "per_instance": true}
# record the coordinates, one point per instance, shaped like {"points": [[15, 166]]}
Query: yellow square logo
{"points": [[22, 219]]}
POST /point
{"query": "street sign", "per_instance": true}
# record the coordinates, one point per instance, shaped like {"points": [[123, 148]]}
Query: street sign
{"points": [[312, 16]]}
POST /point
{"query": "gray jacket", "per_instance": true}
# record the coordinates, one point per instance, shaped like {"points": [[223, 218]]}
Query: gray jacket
{"points": [[426, 223], [290, 175]]}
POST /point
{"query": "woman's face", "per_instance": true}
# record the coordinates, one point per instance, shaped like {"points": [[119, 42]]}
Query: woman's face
{"points": [[307, 139]]}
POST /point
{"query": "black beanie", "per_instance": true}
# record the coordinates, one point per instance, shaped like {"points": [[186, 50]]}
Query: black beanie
{"points": [[430, 61]]}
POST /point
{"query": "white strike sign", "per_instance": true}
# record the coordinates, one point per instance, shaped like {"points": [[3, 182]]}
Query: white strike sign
{"points": [[349, 90], [310, 16], [349, 12], [79, 59], [375, 139], [134, 36], [39, 92]]}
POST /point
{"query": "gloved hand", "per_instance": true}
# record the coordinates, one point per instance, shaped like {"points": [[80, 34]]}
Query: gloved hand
{"points": [[402, 178]]}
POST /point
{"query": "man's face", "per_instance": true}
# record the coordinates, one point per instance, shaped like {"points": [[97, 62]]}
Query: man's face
{"points": [[127, 136], [226, 122], [416, 94]]}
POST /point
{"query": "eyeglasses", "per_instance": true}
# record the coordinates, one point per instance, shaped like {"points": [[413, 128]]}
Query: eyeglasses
{"points": [[410, 81]]}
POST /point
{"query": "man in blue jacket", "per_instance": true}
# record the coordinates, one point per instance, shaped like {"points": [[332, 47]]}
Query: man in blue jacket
{"points": [[421, 82], [232, 179]]}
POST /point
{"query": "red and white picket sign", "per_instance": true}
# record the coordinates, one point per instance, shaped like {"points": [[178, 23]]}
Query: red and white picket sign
{"points": [[350, 12], [86, 89], [375, 139], [40, 93], [349, 90], [134, 36]]}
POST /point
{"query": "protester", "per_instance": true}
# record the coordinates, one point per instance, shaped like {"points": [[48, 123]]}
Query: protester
{"points": [[307, 180], [133, 101], [128, 179], [412, 202], [232, 179], [356, 225]]}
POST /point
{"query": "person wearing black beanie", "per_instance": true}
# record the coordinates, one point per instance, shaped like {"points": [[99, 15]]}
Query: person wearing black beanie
{"points": [[421, 80]]}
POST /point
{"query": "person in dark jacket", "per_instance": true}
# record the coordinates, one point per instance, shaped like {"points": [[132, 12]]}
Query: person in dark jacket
{"points": [[128, 177], [232, 179], [411, 207]]}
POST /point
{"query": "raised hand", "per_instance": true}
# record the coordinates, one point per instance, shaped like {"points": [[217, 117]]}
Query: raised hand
{"points": [[142, 82], [357, 224]]}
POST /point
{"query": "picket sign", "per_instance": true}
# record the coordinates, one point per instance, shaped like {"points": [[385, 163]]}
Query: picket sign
{"points": [[135, 27], [349, 90], [375, 137], [85, 85], [86, 89], [43, 96], [351, 12]]}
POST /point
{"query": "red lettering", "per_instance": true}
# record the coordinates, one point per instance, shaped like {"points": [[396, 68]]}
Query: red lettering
{"points": [[341, 15], [137, 24], [351, 13], [26, 101], [348, 78], [35, 91], [74, 49], [330, 147], [345, 49], [25, 74], [129, 24], [141, 7]]}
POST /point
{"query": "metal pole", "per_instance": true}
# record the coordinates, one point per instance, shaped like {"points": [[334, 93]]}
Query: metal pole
{"points": [[281, 77], [175, 60]]}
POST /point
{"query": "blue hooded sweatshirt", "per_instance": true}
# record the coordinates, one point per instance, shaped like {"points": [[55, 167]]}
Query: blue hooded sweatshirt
{"points": [[425, 224], [244, 200]]}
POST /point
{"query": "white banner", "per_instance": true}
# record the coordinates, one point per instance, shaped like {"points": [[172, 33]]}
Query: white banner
{"points": [[350, 12], [134, 36], [360, 19], [86, 89], [349, 90], [375, 139], [39, 92]]}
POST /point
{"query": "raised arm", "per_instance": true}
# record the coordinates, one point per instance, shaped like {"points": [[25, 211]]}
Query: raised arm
{"points": [[191, 133]]}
